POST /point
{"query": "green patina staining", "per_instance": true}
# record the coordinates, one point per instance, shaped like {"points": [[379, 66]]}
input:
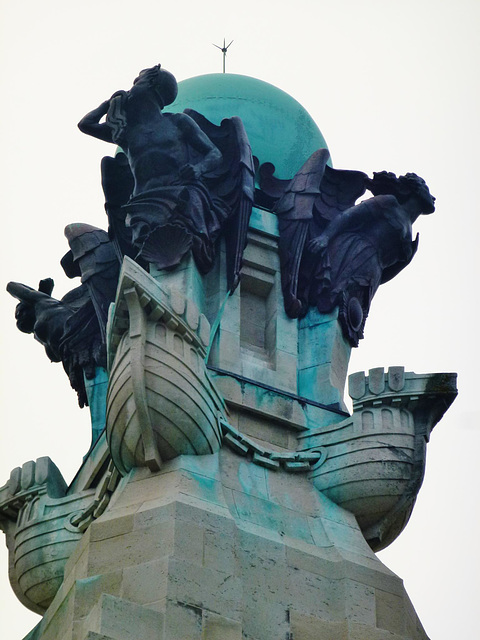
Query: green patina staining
{"points": [[252, 480], [264, 221], [97, 401], [280, 130], [209, 488], [323, 358]]}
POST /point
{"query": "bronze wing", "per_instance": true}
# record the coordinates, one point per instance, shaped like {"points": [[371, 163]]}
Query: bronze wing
{"points": [[294, 201], [305, 205], [233, 183]]}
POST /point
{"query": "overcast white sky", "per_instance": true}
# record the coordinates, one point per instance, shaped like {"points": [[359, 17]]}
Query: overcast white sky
{"points": [[392, 85]]}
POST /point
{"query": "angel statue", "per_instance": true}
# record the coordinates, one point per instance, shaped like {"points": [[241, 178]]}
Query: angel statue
{"points": [[335, 253], [181, 181]]}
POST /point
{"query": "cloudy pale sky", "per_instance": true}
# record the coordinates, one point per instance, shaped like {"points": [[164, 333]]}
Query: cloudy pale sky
{"points": [[392, 85]]}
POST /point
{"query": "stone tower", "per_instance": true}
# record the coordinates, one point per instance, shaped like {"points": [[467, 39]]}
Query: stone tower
{"points": [[232, 496]]}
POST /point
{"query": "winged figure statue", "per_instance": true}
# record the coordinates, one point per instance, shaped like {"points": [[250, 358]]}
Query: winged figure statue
{"points": [[334, 252], [180, 182]]}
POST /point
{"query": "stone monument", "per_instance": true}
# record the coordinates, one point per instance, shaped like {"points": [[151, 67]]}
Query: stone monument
{"points": [[227, 493]]}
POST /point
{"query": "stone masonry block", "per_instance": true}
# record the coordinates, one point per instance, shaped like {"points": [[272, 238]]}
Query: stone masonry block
{"points": [[287, 333], [203, 487], [219, 550], [231, 314], [217, 627], [260, 255], [133, 548], [60, 625], [340, 359], [88, 591], [153, 512], [136, 492], [263, 429], [312, 380], [347, 537], [286, 366], [257, 369], [316, 344], [241, 475], [294, 492], [189, 542], [206, 513], [182, 621], [360, 603], [369, 572], [315, 318], [390, 612], [255, 546], [322, 561], [213, 517], [147, 582], [109, 528], [265, 622], [306, 627], [206, 465], [318, 533], [358, 631], [269, 515], [77, 564], [205, 588], [313, 594], [228, 351], [123, 620]]}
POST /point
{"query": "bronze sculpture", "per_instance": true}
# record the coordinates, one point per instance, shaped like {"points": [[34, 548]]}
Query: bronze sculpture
{"points": [[179, 184], [72, 329], [190, 179], [366, 246], [333, 252]]}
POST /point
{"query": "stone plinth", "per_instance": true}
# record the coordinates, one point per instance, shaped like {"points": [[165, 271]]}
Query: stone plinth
{"points": [[217, 547]]}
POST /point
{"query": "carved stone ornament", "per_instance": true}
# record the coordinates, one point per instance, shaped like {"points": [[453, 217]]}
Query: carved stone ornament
{"points": [[374, 462], [228, 492], [161, 402]]}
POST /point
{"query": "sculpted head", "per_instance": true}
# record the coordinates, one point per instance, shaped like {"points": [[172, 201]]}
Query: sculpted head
{"points": [[403, 188], [161, 81]]}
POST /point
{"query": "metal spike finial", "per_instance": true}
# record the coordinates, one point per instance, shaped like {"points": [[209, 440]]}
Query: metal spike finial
{"points": [[223, 50]]}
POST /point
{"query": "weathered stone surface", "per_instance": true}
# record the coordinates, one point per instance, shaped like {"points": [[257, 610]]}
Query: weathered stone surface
{"points": [[217, 627], [160, 402], [243, 513], [211, 546], [120, 619]]}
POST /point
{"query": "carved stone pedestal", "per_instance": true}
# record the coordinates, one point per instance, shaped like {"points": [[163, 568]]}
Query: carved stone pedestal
{"points": [[216, 547]]}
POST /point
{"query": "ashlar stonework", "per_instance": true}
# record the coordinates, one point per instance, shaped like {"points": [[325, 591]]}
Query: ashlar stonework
{"points": [[228, 493]]}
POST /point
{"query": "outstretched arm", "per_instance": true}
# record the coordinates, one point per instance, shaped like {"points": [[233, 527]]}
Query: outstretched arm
{"points": [[90, 124]]}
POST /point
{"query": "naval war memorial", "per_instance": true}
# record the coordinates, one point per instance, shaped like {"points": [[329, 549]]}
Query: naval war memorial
{"points": [[228, 493]]}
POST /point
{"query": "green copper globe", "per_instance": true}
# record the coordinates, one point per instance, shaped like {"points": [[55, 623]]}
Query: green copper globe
{"points": [[280, 130]]}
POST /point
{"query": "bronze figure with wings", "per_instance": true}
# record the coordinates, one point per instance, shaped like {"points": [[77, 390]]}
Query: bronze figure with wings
{"points": [[334, 252], [182, 181]]}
